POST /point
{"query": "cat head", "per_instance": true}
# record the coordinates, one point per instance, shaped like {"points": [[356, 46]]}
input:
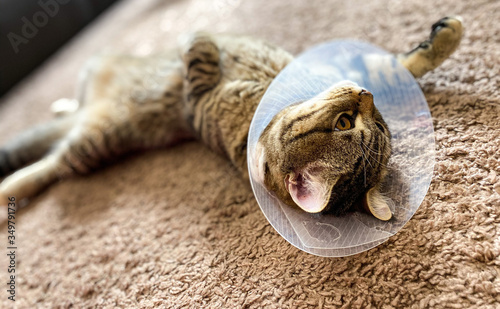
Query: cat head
{"points": [[327, 154]]}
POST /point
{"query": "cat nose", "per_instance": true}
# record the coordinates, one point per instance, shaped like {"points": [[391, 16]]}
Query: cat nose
{"points": [[365, 103]]}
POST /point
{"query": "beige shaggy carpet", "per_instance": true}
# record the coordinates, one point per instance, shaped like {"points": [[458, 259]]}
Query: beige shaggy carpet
{"points": [[178, 229]]}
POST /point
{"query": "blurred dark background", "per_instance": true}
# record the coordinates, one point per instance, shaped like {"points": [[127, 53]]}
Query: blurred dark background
{"points": [[32, 30]]}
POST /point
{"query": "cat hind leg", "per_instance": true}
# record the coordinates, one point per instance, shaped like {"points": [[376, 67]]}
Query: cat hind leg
{"points": [[29, 181], [443, 41], [33, 143], [83, 149]]}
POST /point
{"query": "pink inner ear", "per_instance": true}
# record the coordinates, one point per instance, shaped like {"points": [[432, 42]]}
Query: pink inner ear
{"points": [[307, 192]]}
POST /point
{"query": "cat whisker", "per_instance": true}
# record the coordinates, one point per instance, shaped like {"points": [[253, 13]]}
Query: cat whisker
{"points": [[369, 149], [371, 156], [365, 157]]}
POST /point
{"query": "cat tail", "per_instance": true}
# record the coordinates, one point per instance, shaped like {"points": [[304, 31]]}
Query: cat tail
{"points": [[33, 144]]}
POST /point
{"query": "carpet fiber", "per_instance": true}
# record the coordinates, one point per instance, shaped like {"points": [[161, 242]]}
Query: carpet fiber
{"points": [[178, 229]]}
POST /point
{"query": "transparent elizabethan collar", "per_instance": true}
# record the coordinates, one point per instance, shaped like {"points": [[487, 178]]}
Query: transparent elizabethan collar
{"points": [[400, 101]]}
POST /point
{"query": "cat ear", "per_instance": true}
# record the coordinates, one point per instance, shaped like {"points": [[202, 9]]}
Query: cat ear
{"points": [[375, 203], [307, 191]]}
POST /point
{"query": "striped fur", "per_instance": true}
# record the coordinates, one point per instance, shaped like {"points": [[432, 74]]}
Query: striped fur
{"points": [[343, 164], [209, 89]]}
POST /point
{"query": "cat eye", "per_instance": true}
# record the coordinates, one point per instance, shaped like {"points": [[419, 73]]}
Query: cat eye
{"points": [[345, 122]]}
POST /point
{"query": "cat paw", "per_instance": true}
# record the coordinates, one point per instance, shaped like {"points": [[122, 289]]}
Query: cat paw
{"points": [[446, 35], [452, 22], [444, 39]]}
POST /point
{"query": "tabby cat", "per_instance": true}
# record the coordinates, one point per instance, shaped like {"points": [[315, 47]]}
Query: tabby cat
{"points": [[310, 155]]}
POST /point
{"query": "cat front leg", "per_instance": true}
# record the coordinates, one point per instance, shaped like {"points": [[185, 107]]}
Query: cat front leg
{"points": [[200, 56], [428, 55]]}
